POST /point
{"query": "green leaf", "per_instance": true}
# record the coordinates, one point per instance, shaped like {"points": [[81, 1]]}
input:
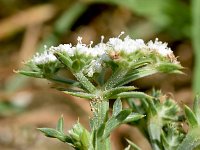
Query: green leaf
{"points": [[114, 122], [191, 118], [133, 145], [64, 80], [84, 81], [30, 73], [64, 59], [53, 133], [133, 95], [118, 74], [191, 141], [100, 131], [169, 68], [195, 9], [117, 107], [80, 94], [137, 74], [85, 140], [113, 91], [60, 125], [133, 117], [196, 108], [154, 129]]}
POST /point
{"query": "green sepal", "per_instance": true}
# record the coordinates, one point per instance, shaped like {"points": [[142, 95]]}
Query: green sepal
{"points": [[190, 116]]}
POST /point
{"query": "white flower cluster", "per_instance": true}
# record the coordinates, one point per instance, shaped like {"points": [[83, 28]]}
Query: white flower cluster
{"points": [[44, 58], [97, 52]]}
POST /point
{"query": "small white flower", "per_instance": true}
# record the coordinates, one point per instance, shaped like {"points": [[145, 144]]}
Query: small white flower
{"points": [[64, 48], [159, 47], [44, 58], [95, 66], [127, 45]]}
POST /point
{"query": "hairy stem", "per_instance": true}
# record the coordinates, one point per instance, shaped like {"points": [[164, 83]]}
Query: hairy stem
{"points": [[100, 109]]}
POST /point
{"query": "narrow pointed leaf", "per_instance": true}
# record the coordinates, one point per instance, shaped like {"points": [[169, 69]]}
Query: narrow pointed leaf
{"points": [[115, 78], [191, 141], [114, 122], [64, 80], [30, 73], [117, 107], [80, 94], [60, 125], [169, 67], [100, 131], [117, 90], [191, 118], [85, 141], [85, 82], [133, 95], [137, 74], [49, 132], [133, 117], [133, 145], [66, 60], [196, 107]]}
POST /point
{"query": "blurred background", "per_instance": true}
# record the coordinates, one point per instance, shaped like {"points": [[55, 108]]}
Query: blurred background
{"points": [[26, 26]]}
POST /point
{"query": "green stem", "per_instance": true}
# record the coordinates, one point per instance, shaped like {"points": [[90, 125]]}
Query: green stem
{"points": [[100, 109]]}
